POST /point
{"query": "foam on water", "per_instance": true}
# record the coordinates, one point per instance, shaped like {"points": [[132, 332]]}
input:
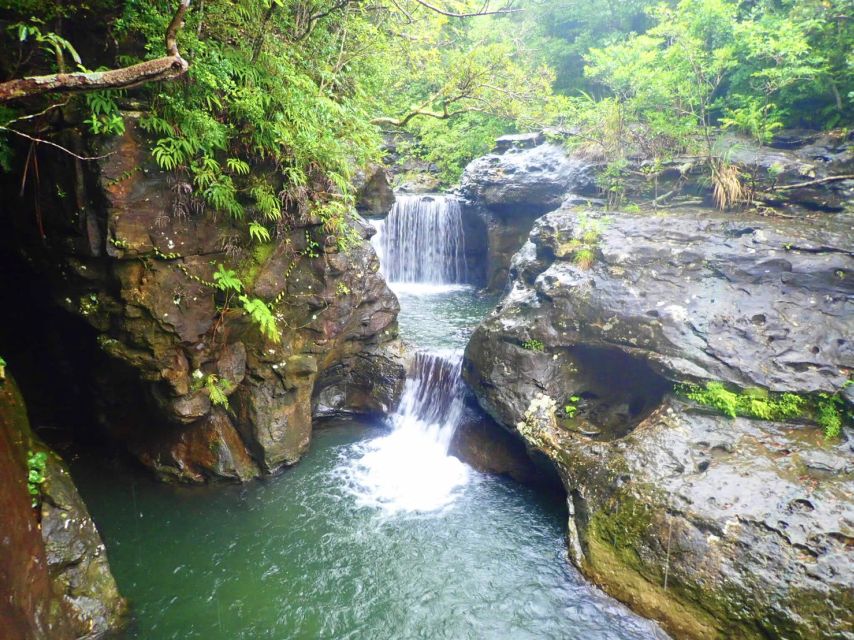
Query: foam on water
{"points": [[410, 469]]}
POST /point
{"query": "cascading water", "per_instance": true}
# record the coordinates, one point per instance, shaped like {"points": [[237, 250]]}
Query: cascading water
{"points": [[422, 241], [421, 246], [410, 469]]}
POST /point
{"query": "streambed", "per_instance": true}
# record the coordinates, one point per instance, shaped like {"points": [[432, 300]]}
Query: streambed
{"points": [[376, 533]]}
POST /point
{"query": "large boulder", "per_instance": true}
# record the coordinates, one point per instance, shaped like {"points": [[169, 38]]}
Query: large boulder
{"points": [[55, 581], [527, 176], [718, 527], [133, 254], [509, 188]]}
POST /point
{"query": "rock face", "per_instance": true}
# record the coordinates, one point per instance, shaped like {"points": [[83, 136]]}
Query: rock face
{"points": [[719, 528], [55, 581], [133, 254], [509, 188], [374, 194], [527, 176]]}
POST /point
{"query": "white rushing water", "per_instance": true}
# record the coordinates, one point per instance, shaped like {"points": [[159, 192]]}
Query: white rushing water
{"points": [[421, 247], [410, 469], [421, 242]]}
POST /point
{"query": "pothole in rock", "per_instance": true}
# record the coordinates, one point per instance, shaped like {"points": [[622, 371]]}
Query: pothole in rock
{"points": [[614, 393]]}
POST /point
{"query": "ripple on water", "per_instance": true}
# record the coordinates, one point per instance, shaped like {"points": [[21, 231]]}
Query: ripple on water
{"points": [[368, 537]]}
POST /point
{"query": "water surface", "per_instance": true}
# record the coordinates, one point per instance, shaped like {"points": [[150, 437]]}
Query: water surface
{"points": [[376, 533]]}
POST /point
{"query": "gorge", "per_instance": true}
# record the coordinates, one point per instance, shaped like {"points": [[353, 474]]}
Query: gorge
{"points": [[404, 319]]}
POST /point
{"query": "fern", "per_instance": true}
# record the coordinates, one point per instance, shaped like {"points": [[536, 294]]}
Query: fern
{"points": [[218, 389], [262, 316], [258, 232], [227, 280], [237, 166]]}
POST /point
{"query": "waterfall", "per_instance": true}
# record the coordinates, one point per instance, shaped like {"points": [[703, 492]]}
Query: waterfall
{"points": [[422, 253], [422, 241], [410, 469]]}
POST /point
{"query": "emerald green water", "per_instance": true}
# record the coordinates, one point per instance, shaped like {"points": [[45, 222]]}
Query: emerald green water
{"points": [[305, 555]]}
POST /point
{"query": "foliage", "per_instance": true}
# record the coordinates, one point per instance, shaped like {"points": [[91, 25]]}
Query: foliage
{"points": [[261, 315], [218, 389], [571, 406], [828, 410], [533, 345], [753, 403], [227, 281], [36, 470], [585, 240]]}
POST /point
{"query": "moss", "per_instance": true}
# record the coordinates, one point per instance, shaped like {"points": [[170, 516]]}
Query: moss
{"points": [[250, 268], [623, 522], [825, 409], [607, 567]]}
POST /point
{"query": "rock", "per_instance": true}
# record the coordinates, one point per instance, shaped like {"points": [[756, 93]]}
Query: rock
{"points": [[508, 189], [484, 445], [519, 141], [711, 525], [719, 528], [374, 195], [525, 180], [526, 177], [55, 581], [210, 448], [148, 295]]}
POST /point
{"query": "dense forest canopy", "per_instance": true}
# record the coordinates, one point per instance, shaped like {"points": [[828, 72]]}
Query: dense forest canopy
{"points": [[285, 99]]}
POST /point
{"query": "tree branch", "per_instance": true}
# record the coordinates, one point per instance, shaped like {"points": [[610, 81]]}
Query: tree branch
{"points": [[53, 144], [166, 68], [810, 183], [482, 12]]}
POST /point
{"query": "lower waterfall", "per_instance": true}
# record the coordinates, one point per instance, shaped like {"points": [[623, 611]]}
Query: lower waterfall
{"points": [[410, 469]]}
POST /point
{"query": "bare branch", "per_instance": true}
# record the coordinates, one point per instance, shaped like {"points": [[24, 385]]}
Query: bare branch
{"points": [[166, 68], [53, 144], [484, 11]]}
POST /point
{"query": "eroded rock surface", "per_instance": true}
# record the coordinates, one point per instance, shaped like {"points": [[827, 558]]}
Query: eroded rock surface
{"points": [[55, 581], [526, 176], [133, 254], [719, 528]]}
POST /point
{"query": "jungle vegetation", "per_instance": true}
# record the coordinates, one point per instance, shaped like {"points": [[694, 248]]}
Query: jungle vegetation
{"points": [[310, 87]]}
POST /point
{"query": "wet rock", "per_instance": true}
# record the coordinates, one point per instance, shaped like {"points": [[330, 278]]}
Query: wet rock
{"points": [[719, 528], [484, 445], [712, 526], [374, 195], [524, 180], [169, 333], [526, 177], [55, 581], [209, 449]]}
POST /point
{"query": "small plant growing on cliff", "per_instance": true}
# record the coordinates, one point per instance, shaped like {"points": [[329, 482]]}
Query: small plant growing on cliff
{"points": [[262, 316], [258, 232], [218, 389], [36, 468], [587, 235], [343, 289], [533, 345], [828, 410], [227, 281], [753, 403], [571, 407]]}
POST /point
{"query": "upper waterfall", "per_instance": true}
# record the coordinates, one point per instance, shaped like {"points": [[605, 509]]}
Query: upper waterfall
{"points": [[422, 241]]}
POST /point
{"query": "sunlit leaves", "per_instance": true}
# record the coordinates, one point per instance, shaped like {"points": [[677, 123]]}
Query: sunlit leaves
{"points": [[258, 232], [227, 280]]}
